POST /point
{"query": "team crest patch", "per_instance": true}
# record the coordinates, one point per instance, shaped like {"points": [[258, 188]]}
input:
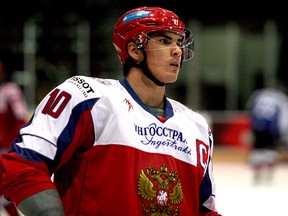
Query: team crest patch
{"points": [[160, 192]]}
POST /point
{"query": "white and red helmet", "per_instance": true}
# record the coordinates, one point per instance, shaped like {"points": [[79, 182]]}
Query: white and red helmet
{"points": [[136, 24]]}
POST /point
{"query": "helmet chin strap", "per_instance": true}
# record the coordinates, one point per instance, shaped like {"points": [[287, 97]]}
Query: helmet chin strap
{"points": [[143, 66]]}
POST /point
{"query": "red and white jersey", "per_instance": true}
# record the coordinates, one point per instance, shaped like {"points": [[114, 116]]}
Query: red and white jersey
{"points": [[13, 113], [110, 155]]}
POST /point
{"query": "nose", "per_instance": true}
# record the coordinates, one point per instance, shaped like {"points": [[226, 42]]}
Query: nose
{"points": [[176, 49]]}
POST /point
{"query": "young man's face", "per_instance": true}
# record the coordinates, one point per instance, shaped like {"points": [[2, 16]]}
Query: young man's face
{"points": [[164, 55]]}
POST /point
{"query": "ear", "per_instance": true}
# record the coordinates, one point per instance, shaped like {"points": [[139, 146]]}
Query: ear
{"points": [[134, 52]]}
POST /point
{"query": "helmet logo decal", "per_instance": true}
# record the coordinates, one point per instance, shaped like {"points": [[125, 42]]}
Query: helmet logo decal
{"points": [[175, 21], [136, 15], [139, 41], [160, 191]]}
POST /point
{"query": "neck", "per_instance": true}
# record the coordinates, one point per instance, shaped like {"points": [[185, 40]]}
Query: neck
{"points": [[149, 93]]}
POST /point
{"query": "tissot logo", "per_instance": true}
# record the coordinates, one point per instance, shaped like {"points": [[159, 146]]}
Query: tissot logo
{"points": [[82, 85]]}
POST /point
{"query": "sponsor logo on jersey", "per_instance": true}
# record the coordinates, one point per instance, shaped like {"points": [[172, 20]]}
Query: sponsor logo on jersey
{"points": [[82, 85], [103, 81], [153, 135], [160, 191]]}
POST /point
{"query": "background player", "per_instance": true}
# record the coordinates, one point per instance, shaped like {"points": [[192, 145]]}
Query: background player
{"points": [[13, 115], [268, 108], [118, 147]]}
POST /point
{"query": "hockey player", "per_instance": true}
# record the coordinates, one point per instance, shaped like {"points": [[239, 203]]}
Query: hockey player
{"points": [[13, 115], [268, 111], [118, 147], [13, 109]]}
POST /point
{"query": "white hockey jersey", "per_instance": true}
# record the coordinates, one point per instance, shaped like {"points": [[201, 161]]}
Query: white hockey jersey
{"points": [[110, 155]]}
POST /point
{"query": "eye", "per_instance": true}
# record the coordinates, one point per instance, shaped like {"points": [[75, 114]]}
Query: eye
{"points": [[164, 41], [169, 42], [179, 43]]}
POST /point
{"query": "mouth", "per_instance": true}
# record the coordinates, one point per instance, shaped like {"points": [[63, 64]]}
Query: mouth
{"points": [[175, 64]]}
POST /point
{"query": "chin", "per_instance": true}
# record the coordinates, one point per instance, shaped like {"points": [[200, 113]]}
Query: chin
{"points": [[172, 80]]}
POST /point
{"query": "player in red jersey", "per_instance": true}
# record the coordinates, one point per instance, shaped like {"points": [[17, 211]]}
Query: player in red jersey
{"points": [[13, 110], [13, 115], [118, 147]]}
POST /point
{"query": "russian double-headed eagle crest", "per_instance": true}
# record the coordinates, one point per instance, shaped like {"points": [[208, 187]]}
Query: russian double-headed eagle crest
{"points": [[160, 191]]}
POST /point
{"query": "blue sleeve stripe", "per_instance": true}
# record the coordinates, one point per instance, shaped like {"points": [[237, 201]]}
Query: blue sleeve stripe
{"points": [[64, 139], [67, 134]]}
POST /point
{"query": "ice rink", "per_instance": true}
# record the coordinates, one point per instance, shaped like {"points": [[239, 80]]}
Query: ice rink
{"points": [[238, 196]]}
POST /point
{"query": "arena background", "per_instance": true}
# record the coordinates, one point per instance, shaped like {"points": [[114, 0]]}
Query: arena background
{"points": [[44, 42]]}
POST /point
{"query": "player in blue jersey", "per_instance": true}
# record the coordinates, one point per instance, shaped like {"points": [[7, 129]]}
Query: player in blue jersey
{"points": [[268, 111], [118, 147]]}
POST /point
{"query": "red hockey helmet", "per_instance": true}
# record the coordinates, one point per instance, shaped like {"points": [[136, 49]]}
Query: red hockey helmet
{"points": [[137, 23]]}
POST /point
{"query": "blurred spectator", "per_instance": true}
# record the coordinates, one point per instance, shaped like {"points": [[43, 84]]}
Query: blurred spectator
{"points": [[268, 109], [13, 115]]}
